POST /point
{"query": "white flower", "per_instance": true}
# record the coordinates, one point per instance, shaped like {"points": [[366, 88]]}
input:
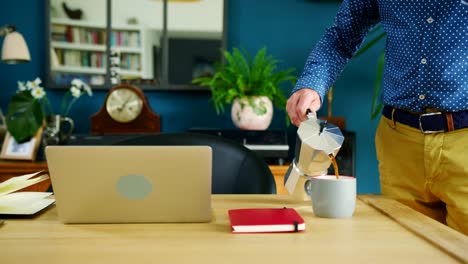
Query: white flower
{"points": [[76, 82], [77, 89], [34, 84], [22, 86], [75, 92], [82, 86], [88, 90], [38, 92]]}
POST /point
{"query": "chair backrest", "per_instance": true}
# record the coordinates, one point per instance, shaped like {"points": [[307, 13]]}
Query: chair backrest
{"points": [[236, 169]]}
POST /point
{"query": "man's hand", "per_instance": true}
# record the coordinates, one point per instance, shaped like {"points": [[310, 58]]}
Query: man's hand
{"points": [[299, 102]]}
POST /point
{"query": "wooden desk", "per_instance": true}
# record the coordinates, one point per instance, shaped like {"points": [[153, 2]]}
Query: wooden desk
{"points": [[368, 237], [10, 169]]}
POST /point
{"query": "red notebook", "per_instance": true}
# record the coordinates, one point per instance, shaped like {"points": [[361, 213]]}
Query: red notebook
{"points": [[265, 220]]}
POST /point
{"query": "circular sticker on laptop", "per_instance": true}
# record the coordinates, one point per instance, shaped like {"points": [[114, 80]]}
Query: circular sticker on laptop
{"points": [[134, 186]]}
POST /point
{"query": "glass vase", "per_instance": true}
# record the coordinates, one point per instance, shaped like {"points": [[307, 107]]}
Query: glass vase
{"points": [[57, 129]]}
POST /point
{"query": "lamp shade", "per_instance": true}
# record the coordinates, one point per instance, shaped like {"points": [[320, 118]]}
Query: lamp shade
{"points": [[14, 49]]}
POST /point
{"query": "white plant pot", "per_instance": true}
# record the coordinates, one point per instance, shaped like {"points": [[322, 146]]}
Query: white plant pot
{"points": [[247, 118]]}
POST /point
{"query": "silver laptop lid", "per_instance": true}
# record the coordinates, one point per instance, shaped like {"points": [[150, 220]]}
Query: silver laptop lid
{"points": [[131, 184]]}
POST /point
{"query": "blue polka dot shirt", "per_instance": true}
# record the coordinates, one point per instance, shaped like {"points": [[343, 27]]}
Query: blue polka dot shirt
{"points": [[426, 51]]}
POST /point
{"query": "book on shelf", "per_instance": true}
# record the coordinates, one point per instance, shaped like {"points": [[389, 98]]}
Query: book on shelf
{"points": [[265, 220], [75, 58], [125, 39]]}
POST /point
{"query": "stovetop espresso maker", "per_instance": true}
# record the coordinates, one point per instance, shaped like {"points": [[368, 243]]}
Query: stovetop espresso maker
{"points": [[316, 140]]}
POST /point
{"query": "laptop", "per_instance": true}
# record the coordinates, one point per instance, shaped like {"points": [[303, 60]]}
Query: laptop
{"points": [[131, 184]]}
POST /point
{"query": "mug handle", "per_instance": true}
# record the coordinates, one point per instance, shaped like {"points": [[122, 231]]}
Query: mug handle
{"points": [[308, 186], [71, 123]]}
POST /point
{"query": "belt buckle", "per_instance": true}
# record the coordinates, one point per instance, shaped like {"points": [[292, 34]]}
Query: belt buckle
{"points": [[428, 131]]}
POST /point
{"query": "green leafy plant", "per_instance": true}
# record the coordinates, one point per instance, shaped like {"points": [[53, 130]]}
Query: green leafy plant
{"points": [[243, 76], [30, 106], [376, 35]]}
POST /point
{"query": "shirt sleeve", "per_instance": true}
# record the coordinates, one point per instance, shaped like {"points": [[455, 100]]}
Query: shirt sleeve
{"points": [[339, 43]]}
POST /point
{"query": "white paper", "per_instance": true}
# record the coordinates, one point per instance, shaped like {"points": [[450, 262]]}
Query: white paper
{"points": [[23, 203], [19, 182]]}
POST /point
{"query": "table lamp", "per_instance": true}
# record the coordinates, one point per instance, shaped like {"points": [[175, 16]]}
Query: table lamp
{"points": [[14, 48]]}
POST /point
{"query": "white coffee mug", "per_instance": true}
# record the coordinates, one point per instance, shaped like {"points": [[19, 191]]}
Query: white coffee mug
{"points": [[332, 197]]}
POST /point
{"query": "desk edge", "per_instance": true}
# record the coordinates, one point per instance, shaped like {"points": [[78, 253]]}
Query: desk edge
{"points": [[441, 236]]}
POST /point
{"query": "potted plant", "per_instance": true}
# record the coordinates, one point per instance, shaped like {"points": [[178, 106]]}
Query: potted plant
{"points": [[30, 108], [251, 85]]}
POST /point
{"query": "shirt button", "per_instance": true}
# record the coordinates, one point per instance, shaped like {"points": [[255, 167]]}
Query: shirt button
{"points": [[422, 97], [423, 61], [430, 20]]}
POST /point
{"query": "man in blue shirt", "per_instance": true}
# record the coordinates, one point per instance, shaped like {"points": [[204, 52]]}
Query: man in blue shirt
{"points": [[422, 138]]}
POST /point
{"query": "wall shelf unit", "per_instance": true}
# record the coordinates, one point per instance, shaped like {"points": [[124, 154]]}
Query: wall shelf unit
{"points": [[155, 45], [79, 49]]}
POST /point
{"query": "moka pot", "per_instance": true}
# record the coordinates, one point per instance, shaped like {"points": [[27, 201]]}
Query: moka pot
{"points": [[316, 140]]}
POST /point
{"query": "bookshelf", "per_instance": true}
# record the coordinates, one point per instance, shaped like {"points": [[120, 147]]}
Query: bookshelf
{"points": [[78, 50]]}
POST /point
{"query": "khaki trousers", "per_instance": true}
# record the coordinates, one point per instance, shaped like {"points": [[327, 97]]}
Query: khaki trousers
{"points": [[428, 172]]}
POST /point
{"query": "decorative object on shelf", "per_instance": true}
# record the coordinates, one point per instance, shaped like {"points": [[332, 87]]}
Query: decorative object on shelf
{"points": [[30, 106], [114, 66], [57, 129], [72, 13], [125, 111], [248, 78], [26, 150], [133, 21]]}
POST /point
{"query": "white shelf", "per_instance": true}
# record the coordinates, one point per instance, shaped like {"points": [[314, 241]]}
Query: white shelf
{"points": [[73, 69], [93, 70], [126, 49], [195, 34], [91, 24], [78, 46], [130, 73], [93, 47], [76, 23]]}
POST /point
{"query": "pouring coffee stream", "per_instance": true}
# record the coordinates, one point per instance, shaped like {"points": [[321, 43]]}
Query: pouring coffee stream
{"points": [[335, 165], [330, 155]]}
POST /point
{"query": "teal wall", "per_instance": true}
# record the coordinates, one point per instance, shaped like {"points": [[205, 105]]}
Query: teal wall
{"points": [[289, 29]]}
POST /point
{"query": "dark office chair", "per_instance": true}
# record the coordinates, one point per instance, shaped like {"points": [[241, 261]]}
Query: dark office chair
{"points": [[236, 169]]}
